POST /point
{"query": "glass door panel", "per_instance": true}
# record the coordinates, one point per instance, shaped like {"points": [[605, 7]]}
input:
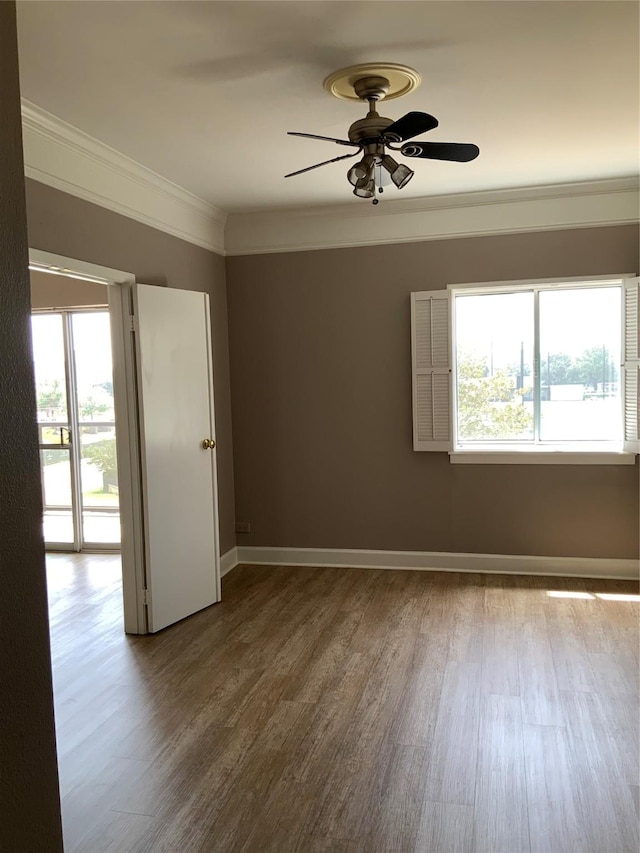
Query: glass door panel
{"points": [[100, 503], [93, 380], [76, 422], [56, 491], [54, 435], [49, 368]]}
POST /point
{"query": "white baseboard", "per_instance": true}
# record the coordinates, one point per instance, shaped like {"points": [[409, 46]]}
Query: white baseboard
{"points": [[228, 561], [582, 567]]}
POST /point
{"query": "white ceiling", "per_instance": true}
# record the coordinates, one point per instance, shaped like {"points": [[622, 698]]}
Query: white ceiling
{"points": [[204, 92]]}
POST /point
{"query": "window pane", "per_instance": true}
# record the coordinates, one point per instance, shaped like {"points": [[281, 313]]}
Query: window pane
{"points": [[494, 359], [580, 354], [99, 483], [48, 360], [55, 467], [94, 373], [97, 439]]}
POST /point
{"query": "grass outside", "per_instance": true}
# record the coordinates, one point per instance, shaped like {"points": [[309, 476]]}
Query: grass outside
{"points": [[98, 498], [50, 435]]}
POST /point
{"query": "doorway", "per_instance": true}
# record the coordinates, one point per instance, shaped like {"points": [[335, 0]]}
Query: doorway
{"points": [[77, 430], [158, 390], [86, 310]]}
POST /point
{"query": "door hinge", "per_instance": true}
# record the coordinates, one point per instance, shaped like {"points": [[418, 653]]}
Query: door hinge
{"points": [[145, 596], [132, 323]]}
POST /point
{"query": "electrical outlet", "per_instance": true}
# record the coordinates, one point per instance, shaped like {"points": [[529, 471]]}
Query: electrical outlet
{"points": [[243, 527]]}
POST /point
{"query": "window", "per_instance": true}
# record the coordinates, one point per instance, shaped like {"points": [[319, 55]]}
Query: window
{"points": [[528, 371]]}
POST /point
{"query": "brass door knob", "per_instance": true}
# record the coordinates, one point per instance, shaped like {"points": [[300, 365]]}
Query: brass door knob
{"points": [[208, 444]]}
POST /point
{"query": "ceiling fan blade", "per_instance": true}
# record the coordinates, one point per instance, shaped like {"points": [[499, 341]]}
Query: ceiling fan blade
{"points": [[324, 163], [410, 125], [461, 152], [326, 138]]}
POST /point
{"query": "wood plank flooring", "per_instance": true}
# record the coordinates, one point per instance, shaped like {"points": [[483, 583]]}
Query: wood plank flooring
{"points": [[344, 711]]}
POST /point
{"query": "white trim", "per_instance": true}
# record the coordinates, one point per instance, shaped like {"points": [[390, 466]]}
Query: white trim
{"points": [[228, 561], [577, 282], [128, 453], [49, 262], [583, 567], [533, 456], [63, 157], [546, 208]]}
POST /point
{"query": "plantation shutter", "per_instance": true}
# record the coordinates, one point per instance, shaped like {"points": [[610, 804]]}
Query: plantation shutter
{"points": [[631, 371], [431, 370]]}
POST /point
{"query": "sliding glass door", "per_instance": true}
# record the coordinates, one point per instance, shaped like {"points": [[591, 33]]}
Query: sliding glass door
{"points": [[54, 429], [76, 422], [95, 427]]}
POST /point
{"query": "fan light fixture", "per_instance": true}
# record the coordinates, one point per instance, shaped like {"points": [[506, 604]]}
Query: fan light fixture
{"points": [[365, 188], [374, 134], [400, 174], [362, 171]]}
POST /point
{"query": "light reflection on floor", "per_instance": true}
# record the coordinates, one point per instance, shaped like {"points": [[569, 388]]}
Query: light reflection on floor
{"points": [[605, 596]]}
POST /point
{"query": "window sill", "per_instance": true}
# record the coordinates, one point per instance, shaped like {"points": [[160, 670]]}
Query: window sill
{"points": [[531, 456]]}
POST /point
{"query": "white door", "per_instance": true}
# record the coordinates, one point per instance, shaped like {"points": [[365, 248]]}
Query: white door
{"points": [[176, 416]]}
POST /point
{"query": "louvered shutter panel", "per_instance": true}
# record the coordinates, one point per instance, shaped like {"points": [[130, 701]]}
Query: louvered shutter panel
{"points": [[431, 370], [631, 371]]}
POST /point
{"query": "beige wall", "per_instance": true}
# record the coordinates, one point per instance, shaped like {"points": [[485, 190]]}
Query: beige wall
{"points": [[320, 371], [29, 801], [59, 291], [68, 226]]}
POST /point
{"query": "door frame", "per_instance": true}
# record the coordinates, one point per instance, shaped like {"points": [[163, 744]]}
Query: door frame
{"points": [[127, 430]]}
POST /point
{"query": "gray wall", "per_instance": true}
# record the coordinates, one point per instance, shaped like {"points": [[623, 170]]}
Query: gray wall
{"points": [[320, 371], [60, 291], [68, 226], [29, 802]]}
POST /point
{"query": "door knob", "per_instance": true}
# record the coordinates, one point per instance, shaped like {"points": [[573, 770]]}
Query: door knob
{"points": [[208, 444]]}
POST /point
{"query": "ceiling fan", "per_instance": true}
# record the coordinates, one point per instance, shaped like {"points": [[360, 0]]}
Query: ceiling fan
{"points": [[373, 135]]}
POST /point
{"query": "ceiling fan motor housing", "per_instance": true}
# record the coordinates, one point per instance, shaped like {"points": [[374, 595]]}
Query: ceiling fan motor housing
{"points": [[371, 88], [370, 127]]}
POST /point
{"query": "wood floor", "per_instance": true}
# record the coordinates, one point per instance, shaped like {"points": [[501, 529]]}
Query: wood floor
{"points": [[346, 711]]}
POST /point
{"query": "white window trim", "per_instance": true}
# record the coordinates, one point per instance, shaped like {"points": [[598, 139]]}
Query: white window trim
{"points": [[605, 453], [542, 457], [592, 280]]}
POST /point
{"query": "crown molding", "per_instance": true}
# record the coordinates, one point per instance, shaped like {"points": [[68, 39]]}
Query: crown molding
{"points": [[63, 157], [478, 214]]}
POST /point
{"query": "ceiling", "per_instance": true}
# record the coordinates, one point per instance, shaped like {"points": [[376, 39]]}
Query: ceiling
{"points": [[204, 92]]}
